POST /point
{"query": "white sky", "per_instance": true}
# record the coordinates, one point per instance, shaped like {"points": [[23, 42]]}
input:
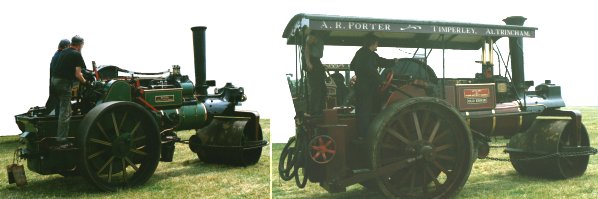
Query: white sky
{"points": [[244, 43]]}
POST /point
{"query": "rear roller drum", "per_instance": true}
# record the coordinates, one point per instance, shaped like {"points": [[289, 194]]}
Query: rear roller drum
{"points": [[120, 145], [430, 144]]}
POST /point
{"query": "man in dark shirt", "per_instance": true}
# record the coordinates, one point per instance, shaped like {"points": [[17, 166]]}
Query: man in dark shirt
{"points": [[341, 88], [316, 74], [365, 63], [52, 102], [68, 68]]}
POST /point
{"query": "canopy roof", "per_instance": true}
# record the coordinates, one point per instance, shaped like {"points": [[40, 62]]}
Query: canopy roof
{"points": [[351, 31]]}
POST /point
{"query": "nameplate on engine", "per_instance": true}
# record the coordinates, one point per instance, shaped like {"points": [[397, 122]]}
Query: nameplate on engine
{"points": [[164, 98], [472, 97], [476, 96]]}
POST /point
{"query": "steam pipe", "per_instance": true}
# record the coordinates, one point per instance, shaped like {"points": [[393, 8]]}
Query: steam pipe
{"points": [[516, 49], [199, 54]]}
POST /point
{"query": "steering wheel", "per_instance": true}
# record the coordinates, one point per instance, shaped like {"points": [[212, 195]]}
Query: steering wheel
{"points": [[387, 82]]}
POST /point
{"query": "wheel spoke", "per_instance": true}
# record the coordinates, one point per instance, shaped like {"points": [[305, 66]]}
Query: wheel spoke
{"points": [[137, 151], [417, 128], [425, 123], [138, 138], [434, 131], [110, 172], [443, 147], [95, 154], [444, 157], [105, 165], [102, 130], [115, 126], [440, 167], [407, 175], [441, 135], [412, 183], [436, 182], [398, 136], [102, 142], [403, 127], [131, 163], [424, 184], [122, 121], [122, 160], [135, 128], [317, 155], [394, 159]]}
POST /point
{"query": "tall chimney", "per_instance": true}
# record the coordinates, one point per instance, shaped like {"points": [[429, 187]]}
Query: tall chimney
{"points": [[199, 53], [516, 49]]}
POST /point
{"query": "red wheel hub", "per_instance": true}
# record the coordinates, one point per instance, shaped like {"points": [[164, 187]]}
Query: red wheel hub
{"points": [[322, 149]]}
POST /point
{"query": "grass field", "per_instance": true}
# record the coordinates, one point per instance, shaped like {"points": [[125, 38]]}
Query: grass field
{"points": [[488, 179], [185, 177]]}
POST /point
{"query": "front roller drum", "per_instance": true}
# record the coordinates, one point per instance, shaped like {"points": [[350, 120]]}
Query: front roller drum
{"points": [[427, 143], [120, 145], [233, 141], [551, 149]]}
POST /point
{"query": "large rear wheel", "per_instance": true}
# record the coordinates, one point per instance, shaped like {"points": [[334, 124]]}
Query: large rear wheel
{"points": [[433, 142], [120, 145]]}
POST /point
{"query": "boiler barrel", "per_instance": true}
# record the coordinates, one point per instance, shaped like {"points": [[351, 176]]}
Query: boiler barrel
{"points": [[499, 122], [186, 117]]}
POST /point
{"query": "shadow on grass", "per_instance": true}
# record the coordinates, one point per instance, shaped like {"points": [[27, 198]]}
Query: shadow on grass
{"points": [[40, 186], [354, 193], [58, 186], [191, 167], [513, 184], [55, 186]]}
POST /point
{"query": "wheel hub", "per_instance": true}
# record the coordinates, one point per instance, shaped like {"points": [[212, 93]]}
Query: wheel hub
{"points": [[322, 149], [121, 145], [425, 150]]}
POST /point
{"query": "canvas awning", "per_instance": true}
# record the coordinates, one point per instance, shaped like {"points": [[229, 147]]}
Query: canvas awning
{"points": [[351, 31]]}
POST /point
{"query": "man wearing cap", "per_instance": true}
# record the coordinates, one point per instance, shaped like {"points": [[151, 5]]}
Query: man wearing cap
{"points": [[365, 63], [52, 102], [69, 67]]}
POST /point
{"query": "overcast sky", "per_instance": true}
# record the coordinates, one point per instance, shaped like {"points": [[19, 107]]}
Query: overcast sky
{"points": [[244, 43]]}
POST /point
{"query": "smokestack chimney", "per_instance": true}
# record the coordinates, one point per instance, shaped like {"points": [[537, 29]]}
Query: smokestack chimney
{"points": [[516, 49], [199, 53]]}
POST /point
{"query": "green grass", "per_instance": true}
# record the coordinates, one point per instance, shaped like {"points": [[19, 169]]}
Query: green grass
{"points": [[488, 179], [185, 177]]}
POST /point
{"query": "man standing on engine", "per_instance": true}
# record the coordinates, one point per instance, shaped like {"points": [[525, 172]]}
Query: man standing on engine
{"points": [[52, 102], [365, 63], [68, 68], [316, 74]]}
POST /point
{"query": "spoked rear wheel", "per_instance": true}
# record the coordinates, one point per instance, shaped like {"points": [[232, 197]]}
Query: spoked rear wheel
{"points": [[120, 145], [433, 142]]}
